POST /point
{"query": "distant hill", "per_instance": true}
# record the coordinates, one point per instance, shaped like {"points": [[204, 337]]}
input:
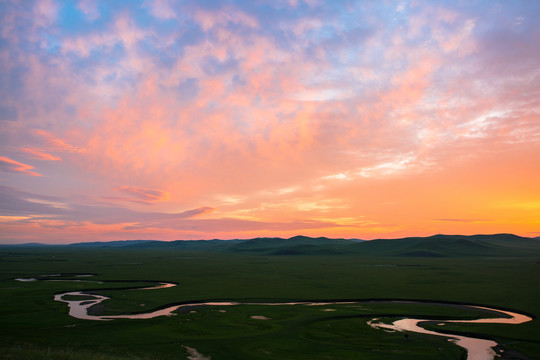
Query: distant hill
{"points": [[452, 245], [203, 245], [297, 245], [117, 243], [497, 245], [433, 246], [34, 244]]}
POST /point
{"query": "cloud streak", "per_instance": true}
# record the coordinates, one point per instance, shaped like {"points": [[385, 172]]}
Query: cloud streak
{"points": [[9, 165], [144, 195], [40, 154]]}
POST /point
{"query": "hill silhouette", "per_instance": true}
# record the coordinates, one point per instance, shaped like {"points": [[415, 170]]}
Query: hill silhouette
{"points": [[452, 245], [496, 245]]}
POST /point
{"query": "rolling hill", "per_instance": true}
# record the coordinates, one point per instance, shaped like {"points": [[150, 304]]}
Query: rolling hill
{"points": [[434, 246], [452, 245], [497, 245]]}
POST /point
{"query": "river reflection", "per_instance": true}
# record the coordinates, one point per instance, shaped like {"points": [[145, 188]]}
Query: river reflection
{"points": [[162, 285]]}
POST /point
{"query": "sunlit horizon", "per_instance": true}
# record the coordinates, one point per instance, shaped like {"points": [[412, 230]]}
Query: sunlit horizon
{"points": [[188, 120]]}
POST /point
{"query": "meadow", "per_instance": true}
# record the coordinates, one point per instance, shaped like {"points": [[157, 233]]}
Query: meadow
{"points": [[35, 326]]}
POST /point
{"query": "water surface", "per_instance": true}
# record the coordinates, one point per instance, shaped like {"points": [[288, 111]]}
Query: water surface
{"points": [[477, 349]]}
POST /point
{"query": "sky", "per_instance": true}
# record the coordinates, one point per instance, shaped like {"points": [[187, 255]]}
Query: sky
{"points": [[178, 119]]}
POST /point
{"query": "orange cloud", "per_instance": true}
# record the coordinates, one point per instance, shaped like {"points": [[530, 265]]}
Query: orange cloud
{"points": [[10, 165]]}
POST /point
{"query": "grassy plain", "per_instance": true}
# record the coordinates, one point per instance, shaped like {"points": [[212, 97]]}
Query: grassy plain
{"points": [[32, 323]]}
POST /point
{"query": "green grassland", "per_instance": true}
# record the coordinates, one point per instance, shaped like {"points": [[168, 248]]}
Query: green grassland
{"points": [[32, 325]]}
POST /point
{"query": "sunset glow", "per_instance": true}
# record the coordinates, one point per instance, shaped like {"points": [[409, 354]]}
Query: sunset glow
{"points": [[164, 119]]}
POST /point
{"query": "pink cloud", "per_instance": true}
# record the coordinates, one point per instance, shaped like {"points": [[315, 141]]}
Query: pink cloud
{"points": [[122, 31], [56, 144], [89, 8], [410, 87], [40, 154], [196, 212], [211, 19], [10, 165], [161, 9], [46, 12], [144, 195]]}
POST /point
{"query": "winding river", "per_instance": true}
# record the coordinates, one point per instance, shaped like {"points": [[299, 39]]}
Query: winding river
{"points": [[477, 348]]}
